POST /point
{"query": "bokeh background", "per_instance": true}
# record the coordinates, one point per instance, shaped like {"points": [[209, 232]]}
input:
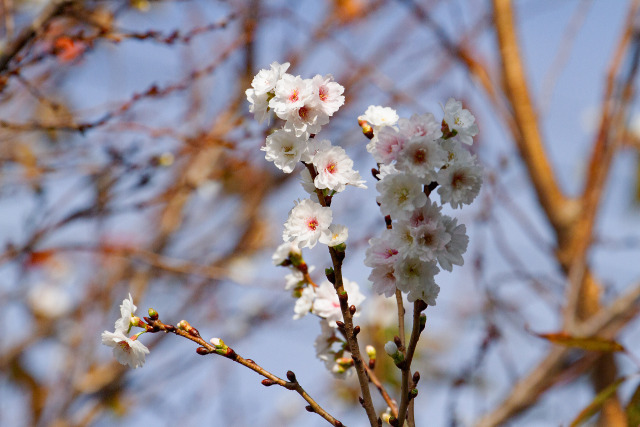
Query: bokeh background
{"points": [[129, 163]]}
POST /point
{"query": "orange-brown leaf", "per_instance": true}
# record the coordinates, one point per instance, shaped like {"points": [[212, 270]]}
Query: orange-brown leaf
{"points": [[584, 343]]}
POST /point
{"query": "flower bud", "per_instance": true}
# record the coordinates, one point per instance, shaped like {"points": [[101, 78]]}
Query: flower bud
{"points": [[392, 350], [183, 325], [423, 321], [413, 393], [153, 315], [217, 343], [331, 275], [367, 130], [371, 351], [345, 362]]}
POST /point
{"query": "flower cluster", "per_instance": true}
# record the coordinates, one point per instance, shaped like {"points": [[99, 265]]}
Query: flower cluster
{"points": [[127, 351], [322, 301], [305, 105], [416, 156]]}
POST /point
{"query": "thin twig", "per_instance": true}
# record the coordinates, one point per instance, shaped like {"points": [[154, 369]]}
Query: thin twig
{"points": [[157, 325], [50, 11], [400, 304], [391, 403], [352, 340], [418, 307]]}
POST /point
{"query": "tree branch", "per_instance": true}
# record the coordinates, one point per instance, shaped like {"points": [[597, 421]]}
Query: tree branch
{"points": [[271, 379]]}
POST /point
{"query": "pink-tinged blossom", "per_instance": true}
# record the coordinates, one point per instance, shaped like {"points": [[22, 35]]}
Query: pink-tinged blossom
{"points": [[430, 240], [381, 251], [294, 103], [307, 221], [416, 277], [284, 149], [307, 120], [421, 157], [335, 170], [459, 183], [461, 121], [327, 304], [426, 214], [425, 125], [383, 280], [428, 230], [399, 193], [291, 93], [386, 145], [452, 253], [127, 351], [327, 93]]}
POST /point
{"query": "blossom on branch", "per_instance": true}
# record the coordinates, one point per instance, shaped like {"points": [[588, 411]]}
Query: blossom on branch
{"points": [[127, 351], [308, 221]]}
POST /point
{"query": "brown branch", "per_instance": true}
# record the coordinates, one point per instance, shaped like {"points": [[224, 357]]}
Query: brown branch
{"points": [[193, 335], [383, 392], [347, 328], [529, 140], [50, 11], [607, 323], [418, 307], [401, 311]]}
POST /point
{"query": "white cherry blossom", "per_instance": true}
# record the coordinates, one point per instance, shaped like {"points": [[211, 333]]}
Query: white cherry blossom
{"points": [[307, 222], [461, 121], [459, 183], [327, 93], [327, 304], [452, 253], [335, 170], [127, 351], [284, 149], [399, 193]]}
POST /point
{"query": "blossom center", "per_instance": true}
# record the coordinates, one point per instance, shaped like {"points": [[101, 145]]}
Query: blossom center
{"points": [[323, 94], [457, 180], [312, 224], [331, 167], [294, 96], [419, 156], [390, 252], [403, 195], [125, 346]]}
